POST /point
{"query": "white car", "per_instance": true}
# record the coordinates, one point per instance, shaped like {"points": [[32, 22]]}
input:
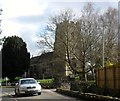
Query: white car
{"points": [[27, 86]]}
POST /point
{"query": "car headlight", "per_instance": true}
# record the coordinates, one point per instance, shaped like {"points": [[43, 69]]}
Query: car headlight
{"points": [[22, 87], [38, 87]]}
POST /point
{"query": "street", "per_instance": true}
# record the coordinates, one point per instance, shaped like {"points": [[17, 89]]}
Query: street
{"points": [[47, 94]]}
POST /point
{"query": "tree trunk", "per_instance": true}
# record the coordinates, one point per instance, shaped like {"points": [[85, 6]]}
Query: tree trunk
{"points": [[83, 74]]}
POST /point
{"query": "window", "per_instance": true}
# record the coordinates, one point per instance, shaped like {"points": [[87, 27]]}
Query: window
{"points": [[28, 81]]}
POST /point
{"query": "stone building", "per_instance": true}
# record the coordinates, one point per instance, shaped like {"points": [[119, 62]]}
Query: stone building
{"points": [[67, 47], [67, 39], [41, 66]]}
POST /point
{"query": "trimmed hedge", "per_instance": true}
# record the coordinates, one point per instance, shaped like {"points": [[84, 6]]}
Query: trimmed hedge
{"points": [[87, 96], [90, 87], [47, 83]]}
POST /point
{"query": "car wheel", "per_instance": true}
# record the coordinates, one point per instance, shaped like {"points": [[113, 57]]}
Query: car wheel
{"points": [[39, 93]]}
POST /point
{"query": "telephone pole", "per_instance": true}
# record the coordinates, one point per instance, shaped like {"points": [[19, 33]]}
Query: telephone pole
{"points": [[0, 44], [0, 20], [103, 42], [119, 32], [103, 47]]}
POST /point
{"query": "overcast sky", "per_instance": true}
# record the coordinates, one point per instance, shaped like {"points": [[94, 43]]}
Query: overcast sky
{"points": [[26, 18]]}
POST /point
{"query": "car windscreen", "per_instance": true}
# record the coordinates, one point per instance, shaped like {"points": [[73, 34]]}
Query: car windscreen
{"points": [[28, 81]]}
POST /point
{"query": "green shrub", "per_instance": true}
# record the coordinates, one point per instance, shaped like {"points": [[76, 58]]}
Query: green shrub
{"points": [[77, 78], [17, 78], [47, 83], [44, 81]]}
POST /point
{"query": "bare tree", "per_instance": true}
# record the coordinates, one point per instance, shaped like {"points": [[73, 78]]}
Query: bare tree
{"points": [[74, 40], [78, 42], [89, 35], [48, 36], [111, 35]]}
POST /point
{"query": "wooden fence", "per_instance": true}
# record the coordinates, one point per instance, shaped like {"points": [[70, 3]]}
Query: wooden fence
{"points": [[108, 77]]}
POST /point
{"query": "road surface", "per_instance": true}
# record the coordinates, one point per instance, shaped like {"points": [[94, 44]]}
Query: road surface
{"points": [[46, 95]]}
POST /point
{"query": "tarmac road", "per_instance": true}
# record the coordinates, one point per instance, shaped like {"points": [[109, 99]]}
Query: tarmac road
{"points": [[46, 95]]}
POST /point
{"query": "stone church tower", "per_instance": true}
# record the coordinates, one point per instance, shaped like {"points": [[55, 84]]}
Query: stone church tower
{"points": [[67, 39]]}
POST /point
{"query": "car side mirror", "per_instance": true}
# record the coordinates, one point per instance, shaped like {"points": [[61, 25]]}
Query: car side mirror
{"points": [[38, 82]]}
